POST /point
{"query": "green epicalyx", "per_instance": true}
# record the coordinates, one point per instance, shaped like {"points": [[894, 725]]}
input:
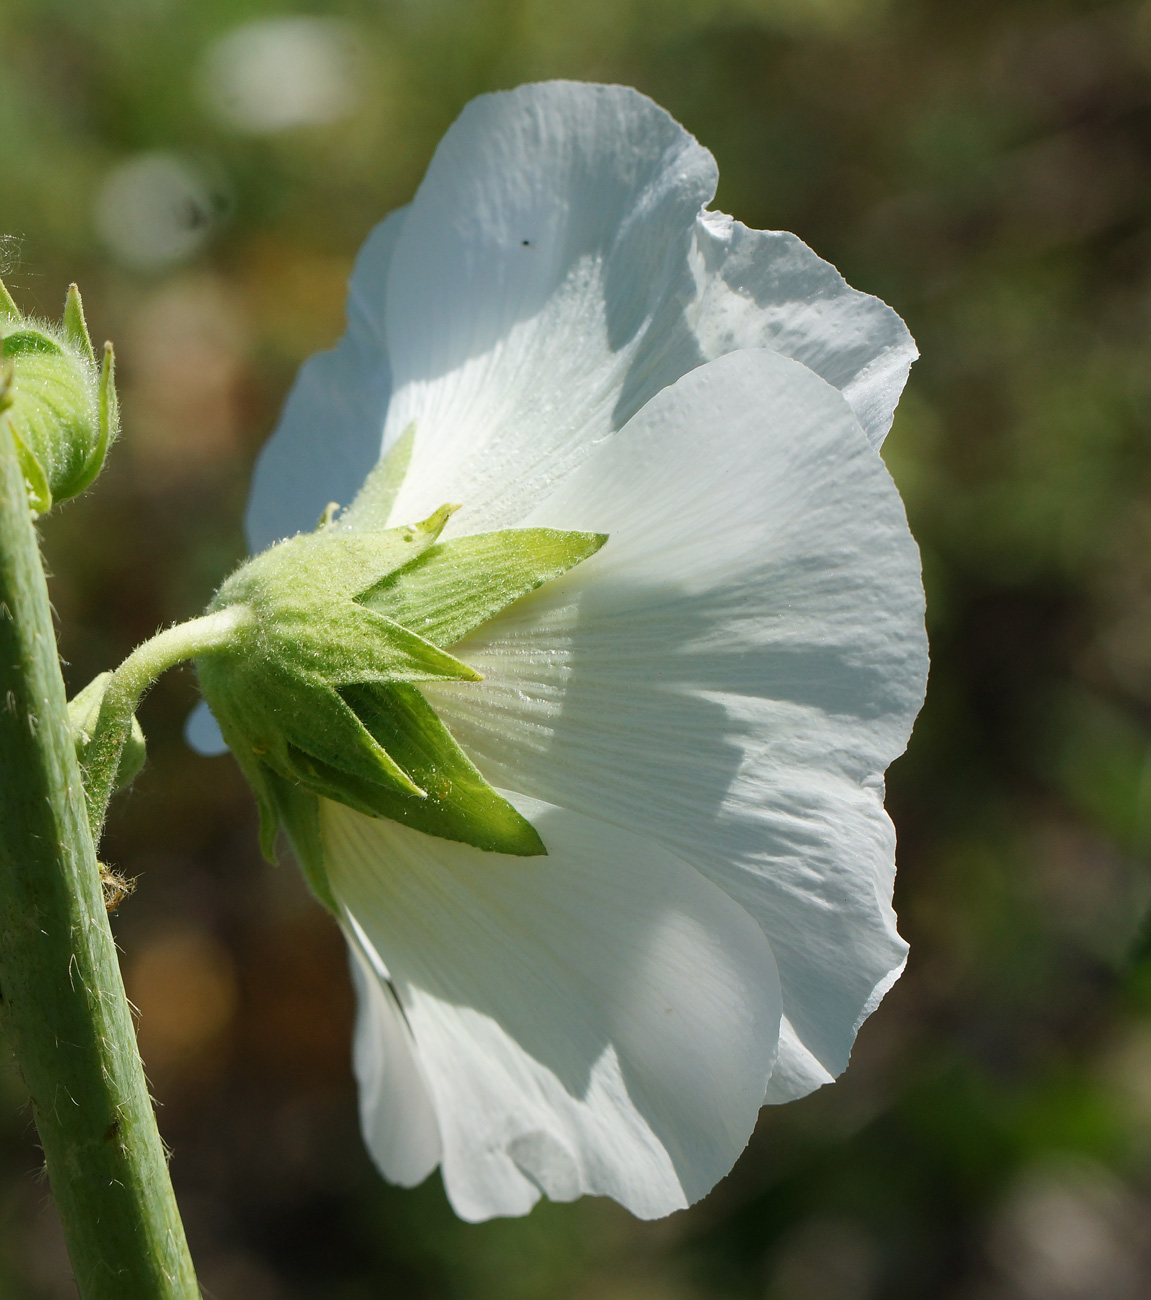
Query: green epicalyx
{"points": [[317, 694]]}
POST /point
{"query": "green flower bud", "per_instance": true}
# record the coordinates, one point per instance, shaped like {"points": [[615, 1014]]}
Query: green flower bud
{"points": [[61, 407], [317, 693]]}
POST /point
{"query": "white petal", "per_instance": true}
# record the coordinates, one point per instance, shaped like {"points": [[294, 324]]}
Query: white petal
{"points": [[396, 1111], [329, 435], [600, 1020], [552, 224], [731, 674], [202, 732], [767, 289], [558, 271]]}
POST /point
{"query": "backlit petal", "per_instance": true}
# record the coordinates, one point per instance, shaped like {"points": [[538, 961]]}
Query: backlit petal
{"points": [[730, 674], [552, 224], [767, 289], [396, 1111], [557, 272], [329, 435], [600, 1020]]}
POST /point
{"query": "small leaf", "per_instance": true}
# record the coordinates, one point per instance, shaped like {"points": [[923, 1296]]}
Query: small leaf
{"points": [[256, 774]]}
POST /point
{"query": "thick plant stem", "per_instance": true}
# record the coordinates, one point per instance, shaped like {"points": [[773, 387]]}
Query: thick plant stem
{"points": [[62, 999]]}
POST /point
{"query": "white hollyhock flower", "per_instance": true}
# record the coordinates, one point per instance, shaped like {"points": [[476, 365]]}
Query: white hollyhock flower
{"points": [[696, 719]]}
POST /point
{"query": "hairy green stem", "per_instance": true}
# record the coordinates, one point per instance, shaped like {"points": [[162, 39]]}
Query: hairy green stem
{"points": [[199, 636], [62, 999]]}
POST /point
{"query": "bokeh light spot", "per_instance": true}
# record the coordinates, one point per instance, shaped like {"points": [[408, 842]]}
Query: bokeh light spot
{"points": [[155, 210], [280, 73]]}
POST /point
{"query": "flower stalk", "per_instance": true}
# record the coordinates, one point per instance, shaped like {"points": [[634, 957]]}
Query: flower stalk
{"points": [[62, 998], [127, 685]]}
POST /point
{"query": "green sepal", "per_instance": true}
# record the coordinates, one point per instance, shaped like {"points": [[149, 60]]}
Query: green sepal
{"points": [[275, 691], [339, 564], [289, 723], [287, 806], [75, 327], [36, 481], [455, 586], [107, 422], [7, 305], [257, 775], [83, 710], [269, 816], [348, 643], [459, 804], [374, 501], [298, 811], [318, 697]]}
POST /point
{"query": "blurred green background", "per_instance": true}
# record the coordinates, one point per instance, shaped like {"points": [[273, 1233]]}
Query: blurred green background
{"points": [[983, 165]]}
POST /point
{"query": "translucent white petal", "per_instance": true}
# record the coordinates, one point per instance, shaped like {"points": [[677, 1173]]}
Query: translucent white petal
{"points": [[767, 289], [552, 223], [329, 435], [731, 674], [396, 1111], [600, 1020], [558, 270]]}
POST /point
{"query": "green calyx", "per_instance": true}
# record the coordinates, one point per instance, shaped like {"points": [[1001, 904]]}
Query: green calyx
{"points": [[318, 694], [61, 406]]}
